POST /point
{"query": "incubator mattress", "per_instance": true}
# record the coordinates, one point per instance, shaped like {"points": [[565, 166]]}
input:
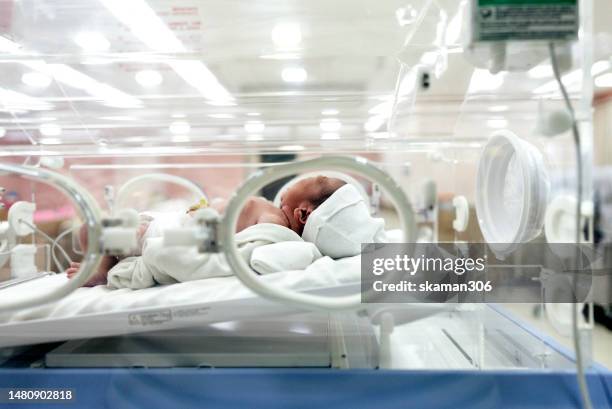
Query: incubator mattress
{"points": [[99, 311]]}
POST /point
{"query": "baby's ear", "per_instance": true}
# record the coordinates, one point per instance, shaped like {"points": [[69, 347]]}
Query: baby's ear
{"points": [[301, 214]]}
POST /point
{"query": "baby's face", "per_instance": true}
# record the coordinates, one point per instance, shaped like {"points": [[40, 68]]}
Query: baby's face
{"points": [[304, 196]]}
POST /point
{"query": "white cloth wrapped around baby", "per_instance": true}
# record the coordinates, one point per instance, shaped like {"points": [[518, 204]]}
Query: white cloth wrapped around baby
{"points": [[335, 229]]}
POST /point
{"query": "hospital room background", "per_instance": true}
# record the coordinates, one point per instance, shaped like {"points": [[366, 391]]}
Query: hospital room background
{"points": [[138, 106]]}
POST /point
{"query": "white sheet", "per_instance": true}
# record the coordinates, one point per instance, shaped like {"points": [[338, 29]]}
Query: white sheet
{"points": [[324, 273]]}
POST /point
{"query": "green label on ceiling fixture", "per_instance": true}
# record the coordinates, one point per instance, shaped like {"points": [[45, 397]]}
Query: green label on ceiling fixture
{"points": [[545, 20]]}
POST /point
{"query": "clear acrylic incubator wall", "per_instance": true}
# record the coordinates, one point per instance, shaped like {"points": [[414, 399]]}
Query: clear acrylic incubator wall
{"points": [[155, 105]]}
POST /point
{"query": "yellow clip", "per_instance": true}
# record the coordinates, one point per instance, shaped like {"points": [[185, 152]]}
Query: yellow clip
{"points": [[201, 204]]}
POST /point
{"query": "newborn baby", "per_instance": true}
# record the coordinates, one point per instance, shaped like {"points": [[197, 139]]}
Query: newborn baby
{"points": [[297, 203]]}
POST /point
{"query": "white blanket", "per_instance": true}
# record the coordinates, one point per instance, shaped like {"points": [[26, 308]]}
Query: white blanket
{"points": [[161, 264]]}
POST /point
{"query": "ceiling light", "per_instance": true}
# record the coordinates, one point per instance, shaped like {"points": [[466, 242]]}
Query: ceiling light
{"points": [[497, 123], [221, 116], [11, 101], [67, 75], [36, 79], [92, 41], [541, 71], [149, 78], [330, 112], [50, 130], [291, 148], [330, 125], [604, 81], [286, 35], [330, 136], [146, 25], [498, 108], [254, 127], [50, 141], [179, 127], [294, 74], [253, 114], [196, 74], [2, 132]]}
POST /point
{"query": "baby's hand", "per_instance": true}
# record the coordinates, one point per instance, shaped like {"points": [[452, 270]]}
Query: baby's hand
{"points": [[72, 270]]}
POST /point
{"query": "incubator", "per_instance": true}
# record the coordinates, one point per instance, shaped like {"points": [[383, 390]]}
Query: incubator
{"points": [[445, 126]]}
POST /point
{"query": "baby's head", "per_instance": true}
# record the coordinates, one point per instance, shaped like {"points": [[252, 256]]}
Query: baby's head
{"points": [[302, 198]]}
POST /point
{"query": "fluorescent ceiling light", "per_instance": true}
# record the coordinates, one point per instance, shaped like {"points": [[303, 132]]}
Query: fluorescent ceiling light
{"points": [[50, 141], [604, 81], [196, 74], [330, 125], [291, 148], [179, 127], [92, 41], [146, 25], [286, 35], [50, 130], [497, 123], [254, 127], [329, 136], [148, 78], [11, 101], [36, 79], [67, 75], [294, 74], [330, 112]]}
